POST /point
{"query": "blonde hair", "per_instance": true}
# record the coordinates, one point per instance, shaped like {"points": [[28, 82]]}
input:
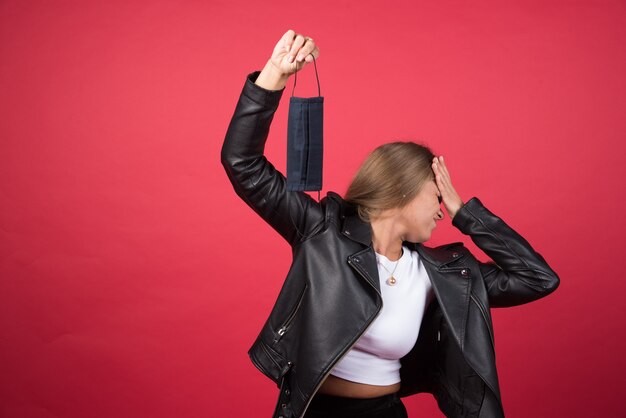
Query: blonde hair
{"points": [[390, 177]]}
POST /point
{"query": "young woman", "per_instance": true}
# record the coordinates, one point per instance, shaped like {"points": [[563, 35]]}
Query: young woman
{"points": [[367, 313]]}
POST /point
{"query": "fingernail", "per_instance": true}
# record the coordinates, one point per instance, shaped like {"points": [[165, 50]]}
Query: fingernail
{"points": [[290, 58], [299, 57]]}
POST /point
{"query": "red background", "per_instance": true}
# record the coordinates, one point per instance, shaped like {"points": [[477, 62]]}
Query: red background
{"points": [[132, 278]]}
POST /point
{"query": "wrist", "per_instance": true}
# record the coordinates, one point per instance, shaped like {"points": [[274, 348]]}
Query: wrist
{"points": [[456, 210], [271, 78]]}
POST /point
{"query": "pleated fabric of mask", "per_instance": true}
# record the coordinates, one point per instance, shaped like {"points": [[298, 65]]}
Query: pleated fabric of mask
{"points": [[305, 140]]}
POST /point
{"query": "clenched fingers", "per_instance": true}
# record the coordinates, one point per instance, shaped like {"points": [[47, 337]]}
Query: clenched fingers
{"points": [[298, 47]]}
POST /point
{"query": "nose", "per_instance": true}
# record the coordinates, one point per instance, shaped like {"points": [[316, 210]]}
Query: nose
{"points": [[440, 214]]}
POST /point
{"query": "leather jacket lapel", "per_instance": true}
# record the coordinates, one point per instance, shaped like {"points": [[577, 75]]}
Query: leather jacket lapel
{"points": [[451, 285], [364, 260]]}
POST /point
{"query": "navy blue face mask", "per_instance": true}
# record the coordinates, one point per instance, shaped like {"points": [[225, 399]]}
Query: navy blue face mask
{"points": [[305, 140]]}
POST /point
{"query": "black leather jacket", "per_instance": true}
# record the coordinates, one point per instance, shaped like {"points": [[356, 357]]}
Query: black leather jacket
{"points": [[332, 294]]}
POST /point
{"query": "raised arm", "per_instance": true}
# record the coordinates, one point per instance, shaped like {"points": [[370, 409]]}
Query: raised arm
{"points": [[293, 214], [518, 274]]}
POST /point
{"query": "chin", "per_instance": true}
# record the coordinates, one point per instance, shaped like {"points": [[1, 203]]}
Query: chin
{"points": [[423, 239], [420, 236]]}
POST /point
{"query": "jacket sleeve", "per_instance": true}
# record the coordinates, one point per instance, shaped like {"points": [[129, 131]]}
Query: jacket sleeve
{"points": [[518, 274], [294, 215]]}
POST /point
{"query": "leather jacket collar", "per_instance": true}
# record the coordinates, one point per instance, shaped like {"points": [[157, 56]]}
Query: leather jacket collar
{"points": [[358, 230]]}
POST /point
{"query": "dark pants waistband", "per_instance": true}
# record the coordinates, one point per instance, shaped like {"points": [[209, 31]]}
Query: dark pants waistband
{"points": [[328, 406]]}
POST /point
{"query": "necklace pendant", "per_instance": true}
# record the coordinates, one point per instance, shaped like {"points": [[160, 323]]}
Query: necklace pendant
{"points": [[391, 281]]}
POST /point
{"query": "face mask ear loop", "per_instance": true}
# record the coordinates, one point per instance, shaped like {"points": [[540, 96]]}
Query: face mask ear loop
{"points": [[295, 77], [319, 91]]}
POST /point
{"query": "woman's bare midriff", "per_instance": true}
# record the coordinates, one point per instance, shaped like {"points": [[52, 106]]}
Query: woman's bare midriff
{"points": [[336, 386]]}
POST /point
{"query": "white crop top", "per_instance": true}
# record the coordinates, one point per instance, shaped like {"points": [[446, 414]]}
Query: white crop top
{"points": [[375, 358]]}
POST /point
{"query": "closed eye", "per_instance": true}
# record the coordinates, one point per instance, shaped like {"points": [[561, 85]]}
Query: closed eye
{"points": [[440, 199]]}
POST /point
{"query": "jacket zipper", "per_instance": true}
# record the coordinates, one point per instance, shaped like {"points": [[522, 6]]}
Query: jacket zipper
{"points": [[482, 311], [281, 331], [352, 344]]}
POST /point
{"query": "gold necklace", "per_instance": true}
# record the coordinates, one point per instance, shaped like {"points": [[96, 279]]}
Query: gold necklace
{"points": [[391, 281]]}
